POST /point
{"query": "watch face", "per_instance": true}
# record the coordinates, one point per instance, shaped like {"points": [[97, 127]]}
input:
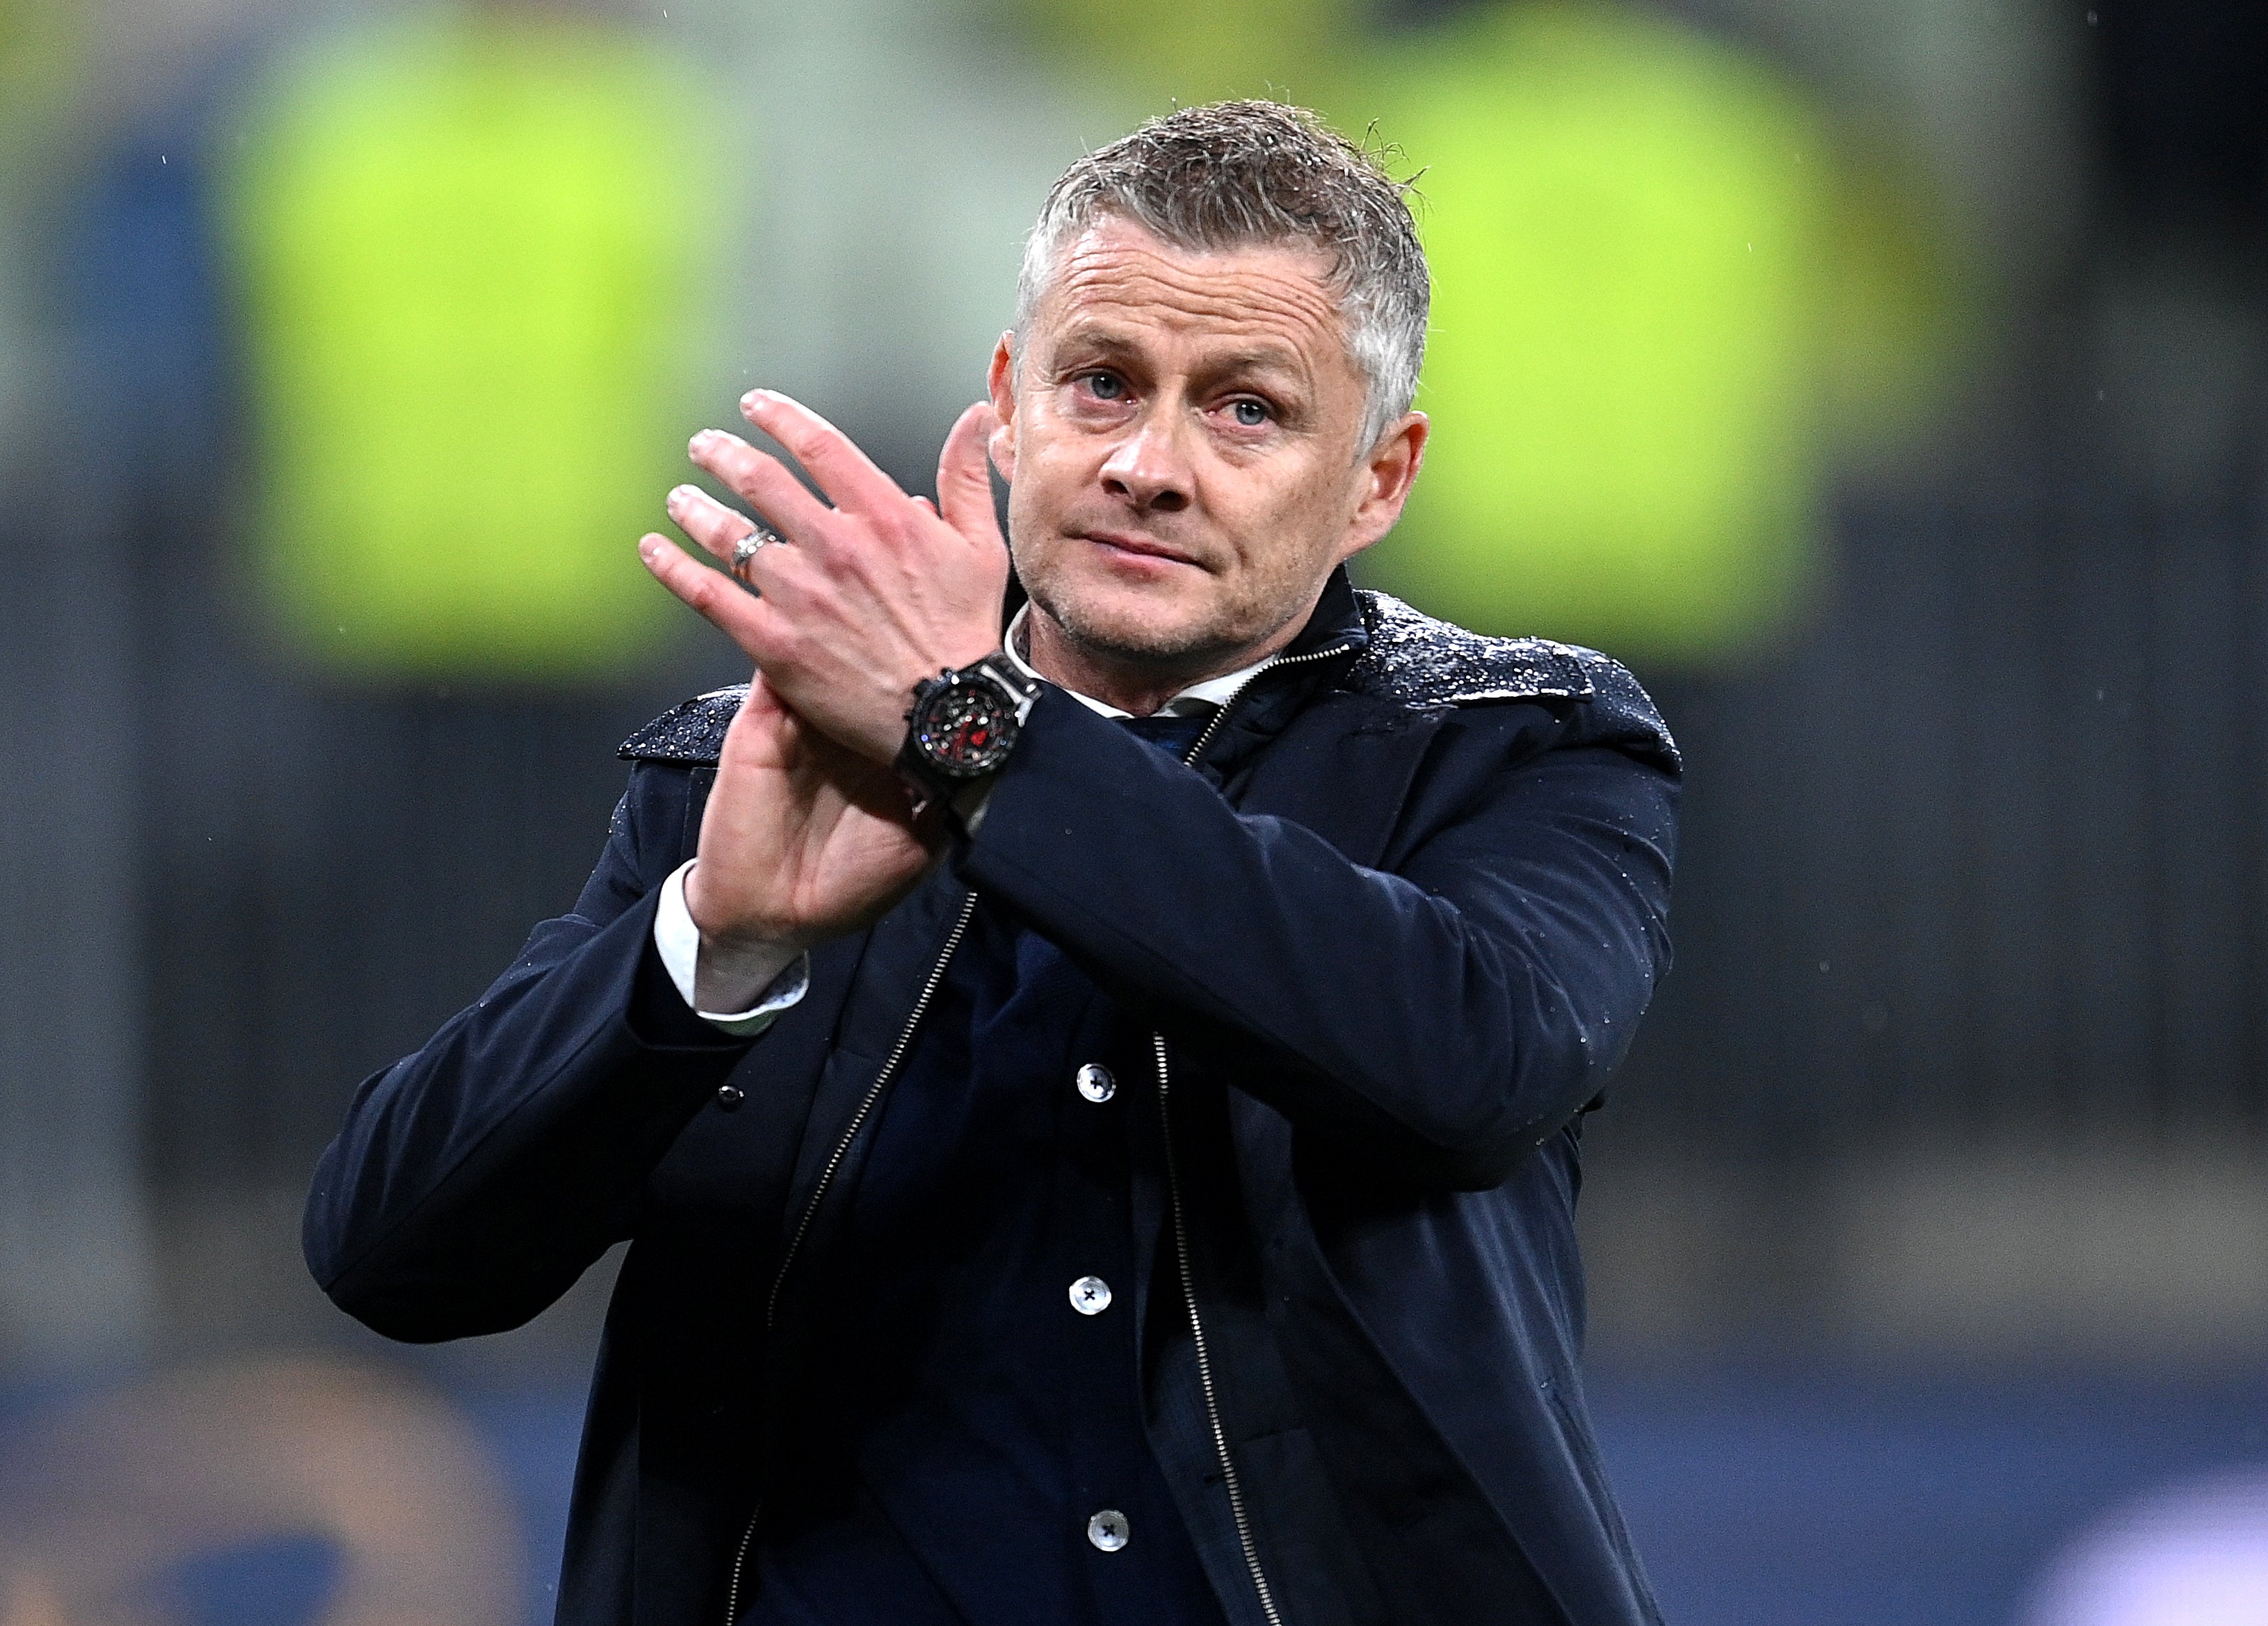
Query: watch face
{"points": [[965, 728]]}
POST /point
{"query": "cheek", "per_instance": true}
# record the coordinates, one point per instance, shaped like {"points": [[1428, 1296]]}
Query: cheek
{"points": [[1049, 460], [1033, 547], [1288, 527]]}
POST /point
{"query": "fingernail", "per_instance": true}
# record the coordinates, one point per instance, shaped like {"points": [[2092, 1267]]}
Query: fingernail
{"points": [[701, 440], [754, 396], [678, 496]]}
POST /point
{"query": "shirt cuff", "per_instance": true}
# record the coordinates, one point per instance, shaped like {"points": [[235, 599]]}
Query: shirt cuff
{"points": [[678, 941]]}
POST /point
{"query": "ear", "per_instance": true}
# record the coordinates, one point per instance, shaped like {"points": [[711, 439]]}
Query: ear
{"points": [[1383, 481], [1000, 379]]}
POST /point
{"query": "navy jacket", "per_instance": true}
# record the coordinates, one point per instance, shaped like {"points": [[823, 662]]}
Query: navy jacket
{"points": [[1391, 933]]}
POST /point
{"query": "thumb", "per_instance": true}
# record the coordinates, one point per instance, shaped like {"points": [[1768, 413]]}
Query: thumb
{"points": [[762, 733], [964, 478], [762, 699]]}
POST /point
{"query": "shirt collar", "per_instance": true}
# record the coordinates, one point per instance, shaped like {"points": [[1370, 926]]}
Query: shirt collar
{"points": [[1209, 695]]}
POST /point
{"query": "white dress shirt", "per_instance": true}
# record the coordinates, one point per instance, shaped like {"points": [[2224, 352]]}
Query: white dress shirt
{"points": [[678, 940]]}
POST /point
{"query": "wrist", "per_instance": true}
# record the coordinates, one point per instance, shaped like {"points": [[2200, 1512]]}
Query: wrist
{"points": [[736, 941], [739, 993]]}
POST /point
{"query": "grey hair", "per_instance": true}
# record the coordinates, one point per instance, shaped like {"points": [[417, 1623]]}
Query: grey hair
{"points": [[1240, 174]]}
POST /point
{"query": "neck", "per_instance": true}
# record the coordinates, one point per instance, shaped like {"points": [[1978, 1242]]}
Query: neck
{"points": [[1137, 687]]}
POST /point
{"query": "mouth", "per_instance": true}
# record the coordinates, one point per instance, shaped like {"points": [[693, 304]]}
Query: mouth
{"points": [[1144, 548]]}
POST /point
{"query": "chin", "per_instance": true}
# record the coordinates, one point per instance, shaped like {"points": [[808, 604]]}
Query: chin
{"points": [[1124, 625]]}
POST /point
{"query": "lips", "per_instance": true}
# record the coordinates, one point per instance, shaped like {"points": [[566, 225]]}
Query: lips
{"points": [[1140, 545]]}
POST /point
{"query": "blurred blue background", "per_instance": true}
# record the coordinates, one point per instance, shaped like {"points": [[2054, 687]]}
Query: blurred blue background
{"points": [[1887, 380]]}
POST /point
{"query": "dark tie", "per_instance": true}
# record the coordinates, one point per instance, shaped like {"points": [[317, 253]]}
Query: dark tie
{"points": [[1172, 734]]}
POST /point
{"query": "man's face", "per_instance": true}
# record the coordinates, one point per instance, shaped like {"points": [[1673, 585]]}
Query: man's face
{"points": [[1179, 434]]}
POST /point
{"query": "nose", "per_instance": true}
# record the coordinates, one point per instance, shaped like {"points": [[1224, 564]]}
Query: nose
{"points": [[1150, 468]]}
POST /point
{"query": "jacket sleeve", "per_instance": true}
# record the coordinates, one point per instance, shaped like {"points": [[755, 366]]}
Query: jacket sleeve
{"points": [[1438, 1021], [474, 1181]]}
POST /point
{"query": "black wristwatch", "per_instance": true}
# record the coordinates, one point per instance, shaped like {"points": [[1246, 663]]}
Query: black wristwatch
{"points": [[962, 724]]}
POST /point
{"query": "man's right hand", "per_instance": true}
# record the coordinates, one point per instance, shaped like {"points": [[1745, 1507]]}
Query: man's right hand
{"points": [[802, 840]]}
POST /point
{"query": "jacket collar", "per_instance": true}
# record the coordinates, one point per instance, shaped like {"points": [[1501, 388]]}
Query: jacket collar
{"points": [[1336, 634], [1336, 618]]}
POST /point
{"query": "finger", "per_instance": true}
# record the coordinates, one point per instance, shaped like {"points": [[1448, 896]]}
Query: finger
{"points": [[707, 521], [713, 595], [964, 478], [847, 475], [763, 571], [926, 506], [764, 481]]}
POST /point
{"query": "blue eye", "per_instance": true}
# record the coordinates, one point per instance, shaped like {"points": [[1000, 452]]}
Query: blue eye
{"points": [[1106, 386], [1251, 414]]}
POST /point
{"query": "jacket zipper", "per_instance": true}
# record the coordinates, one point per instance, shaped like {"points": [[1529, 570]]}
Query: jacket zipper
{"points": [[1189, 757], [739, 1562], [827, 1177], [1204, 1357], [865, 1106], [1181, 1230]]}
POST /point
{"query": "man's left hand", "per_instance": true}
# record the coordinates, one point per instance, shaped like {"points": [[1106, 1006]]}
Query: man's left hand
{"points": [[864, 599]]}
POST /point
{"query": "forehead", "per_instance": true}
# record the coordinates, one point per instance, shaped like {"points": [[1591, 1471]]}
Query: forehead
{"points": [[1114, 284]]}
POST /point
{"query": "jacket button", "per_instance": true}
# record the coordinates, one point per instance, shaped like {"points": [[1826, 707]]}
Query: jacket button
{"points": [[1090, 1295], [728, 1097], [1108, 1530], [1096, 1082]]}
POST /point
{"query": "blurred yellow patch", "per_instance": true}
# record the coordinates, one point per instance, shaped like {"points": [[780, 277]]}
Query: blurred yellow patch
{"points": [[469, 249], [40, 47], [1629, 232]]}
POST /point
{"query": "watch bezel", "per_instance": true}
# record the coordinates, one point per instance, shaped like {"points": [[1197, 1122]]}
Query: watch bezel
{"points": [[933, 777], [925, 730]]}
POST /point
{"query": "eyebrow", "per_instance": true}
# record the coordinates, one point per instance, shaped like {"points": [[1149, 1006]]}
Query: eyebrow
{"points": [[1258, 358]]}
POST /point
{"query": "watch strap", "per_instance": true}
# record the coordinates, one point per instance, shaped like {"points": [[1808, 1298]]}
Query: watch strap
{"points": [[1021, 684]]}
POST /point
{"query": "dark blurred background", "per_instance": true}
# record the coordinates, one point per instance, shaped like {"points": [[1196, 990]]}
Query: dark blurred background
{"points": [[1887, 380]]}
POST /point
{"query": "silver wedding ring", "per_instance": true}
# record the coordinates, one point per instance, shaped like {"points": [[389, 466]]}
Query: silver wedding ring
{"points": [[745, 549]]}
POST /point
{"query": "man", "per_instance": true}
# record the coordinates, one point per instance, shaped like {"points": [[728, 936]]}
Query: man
{"points": [[1096, 1128]]}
